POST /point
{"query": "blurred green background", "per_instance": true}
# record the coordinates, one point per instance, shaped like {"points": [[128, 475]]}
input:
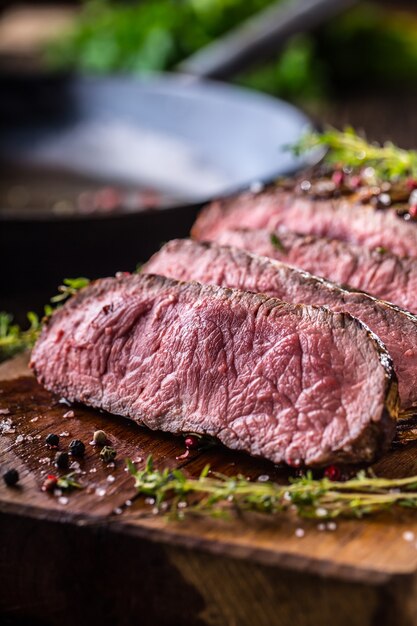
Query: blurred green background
{"points": [[369, 43]]}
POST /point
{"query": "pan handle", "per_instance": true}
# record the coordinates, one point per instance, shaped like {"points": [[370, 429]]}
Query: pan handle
{"points": [[260, 37]]}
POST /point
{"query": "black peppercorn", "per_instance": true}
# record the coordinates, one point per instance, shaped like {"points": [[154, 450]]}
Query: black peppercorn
{"points": [[52, 440], [11, 477], [62, 460], [77, 448]]}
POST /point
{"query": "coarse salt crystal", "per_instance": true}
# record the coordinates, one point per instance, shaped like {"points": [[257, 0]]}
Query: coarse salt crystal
{"points": [[128, 503], [65, 433], [331, 526], [100, 492], [69, 414], [63, 500], [299, 532], [321, 526], [320, 512], [110, 479], [408, 535], [256, 186], [263, 478], [6, 427], [118, 511]]}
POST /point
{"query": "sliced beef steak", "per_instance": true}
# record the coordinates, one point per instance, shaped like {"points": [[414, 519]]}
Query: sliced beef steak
{"points": [[333, 218], [230, 267], [287, 382], [377, 272]]}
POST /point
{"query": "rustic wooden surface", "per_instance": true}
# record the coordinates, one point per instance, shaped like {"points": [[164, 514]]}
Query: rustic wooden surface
{"points": [[82, 560]]}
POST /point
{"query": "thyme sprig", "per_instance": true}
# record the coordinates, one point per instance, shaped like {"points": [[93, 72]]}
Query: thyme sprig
{"points": [[14, 339], [306, 496], [348, 149], [69, 288]]}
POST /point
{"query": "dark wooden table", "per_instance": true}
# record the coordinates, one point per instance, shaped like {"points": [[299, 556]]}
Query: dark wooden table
{"points": [[101, 556]]}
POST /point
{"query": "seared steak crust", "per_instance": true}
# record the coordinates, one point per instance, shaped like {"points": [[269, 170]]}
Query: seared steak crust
{"points": [[335, 218], [377, 272], [287, 382], [231, 267]]}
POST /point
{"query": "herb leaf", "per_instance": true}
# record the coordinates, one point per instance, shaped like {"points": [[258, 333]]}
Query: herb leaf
{"points": [[277, 243], [68, 482], [14, 340], [348, 148], [306, 496], [69, 287]]}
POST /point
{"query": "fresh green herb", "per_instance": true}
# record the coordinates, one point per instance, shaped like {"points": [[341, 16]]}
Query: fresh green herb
{"points": [[68, 482], [348, 149], [381, 250], [277, 243], [305, 496], [69, 288], [14, 340], [138, 37]]}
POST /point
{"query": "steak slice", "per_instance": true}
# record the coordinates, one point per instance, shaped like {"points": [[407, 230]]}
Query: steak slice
{"points": [[333, 218], [231, 267], [287, 382], [377, 272]]}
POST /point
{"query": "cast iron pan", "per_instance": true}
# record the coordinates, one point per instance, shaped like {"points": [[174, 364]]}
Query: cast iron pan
{"points": [[180, 138], [96, 143], [192, 142]]}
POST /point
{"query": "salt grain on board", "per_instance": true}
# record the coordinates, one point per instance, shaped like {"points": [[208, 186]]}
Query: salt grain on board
{"points": [[7, 427], [408, 535]]}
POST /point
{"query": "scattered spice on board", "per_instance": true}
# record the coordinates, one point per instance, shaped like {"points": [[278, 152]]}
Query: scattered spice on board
{"points": [[108, 454], [11, 477], [100, 438], [52, 440], [77, 448]]}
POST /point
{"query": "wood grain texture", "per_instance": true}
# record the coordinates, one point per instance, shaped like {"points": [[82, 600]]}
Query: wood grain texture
{"points": [[238, 572]]}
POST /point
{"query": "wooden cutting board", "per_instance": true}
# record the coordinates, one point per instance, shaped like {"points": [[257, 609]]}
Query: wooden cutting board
{"points": [[101, 554]]}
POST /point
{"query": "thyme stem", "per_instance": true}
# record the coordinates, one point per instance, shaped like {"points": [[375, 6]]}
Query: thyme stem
{"points": [[306, 496]]}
